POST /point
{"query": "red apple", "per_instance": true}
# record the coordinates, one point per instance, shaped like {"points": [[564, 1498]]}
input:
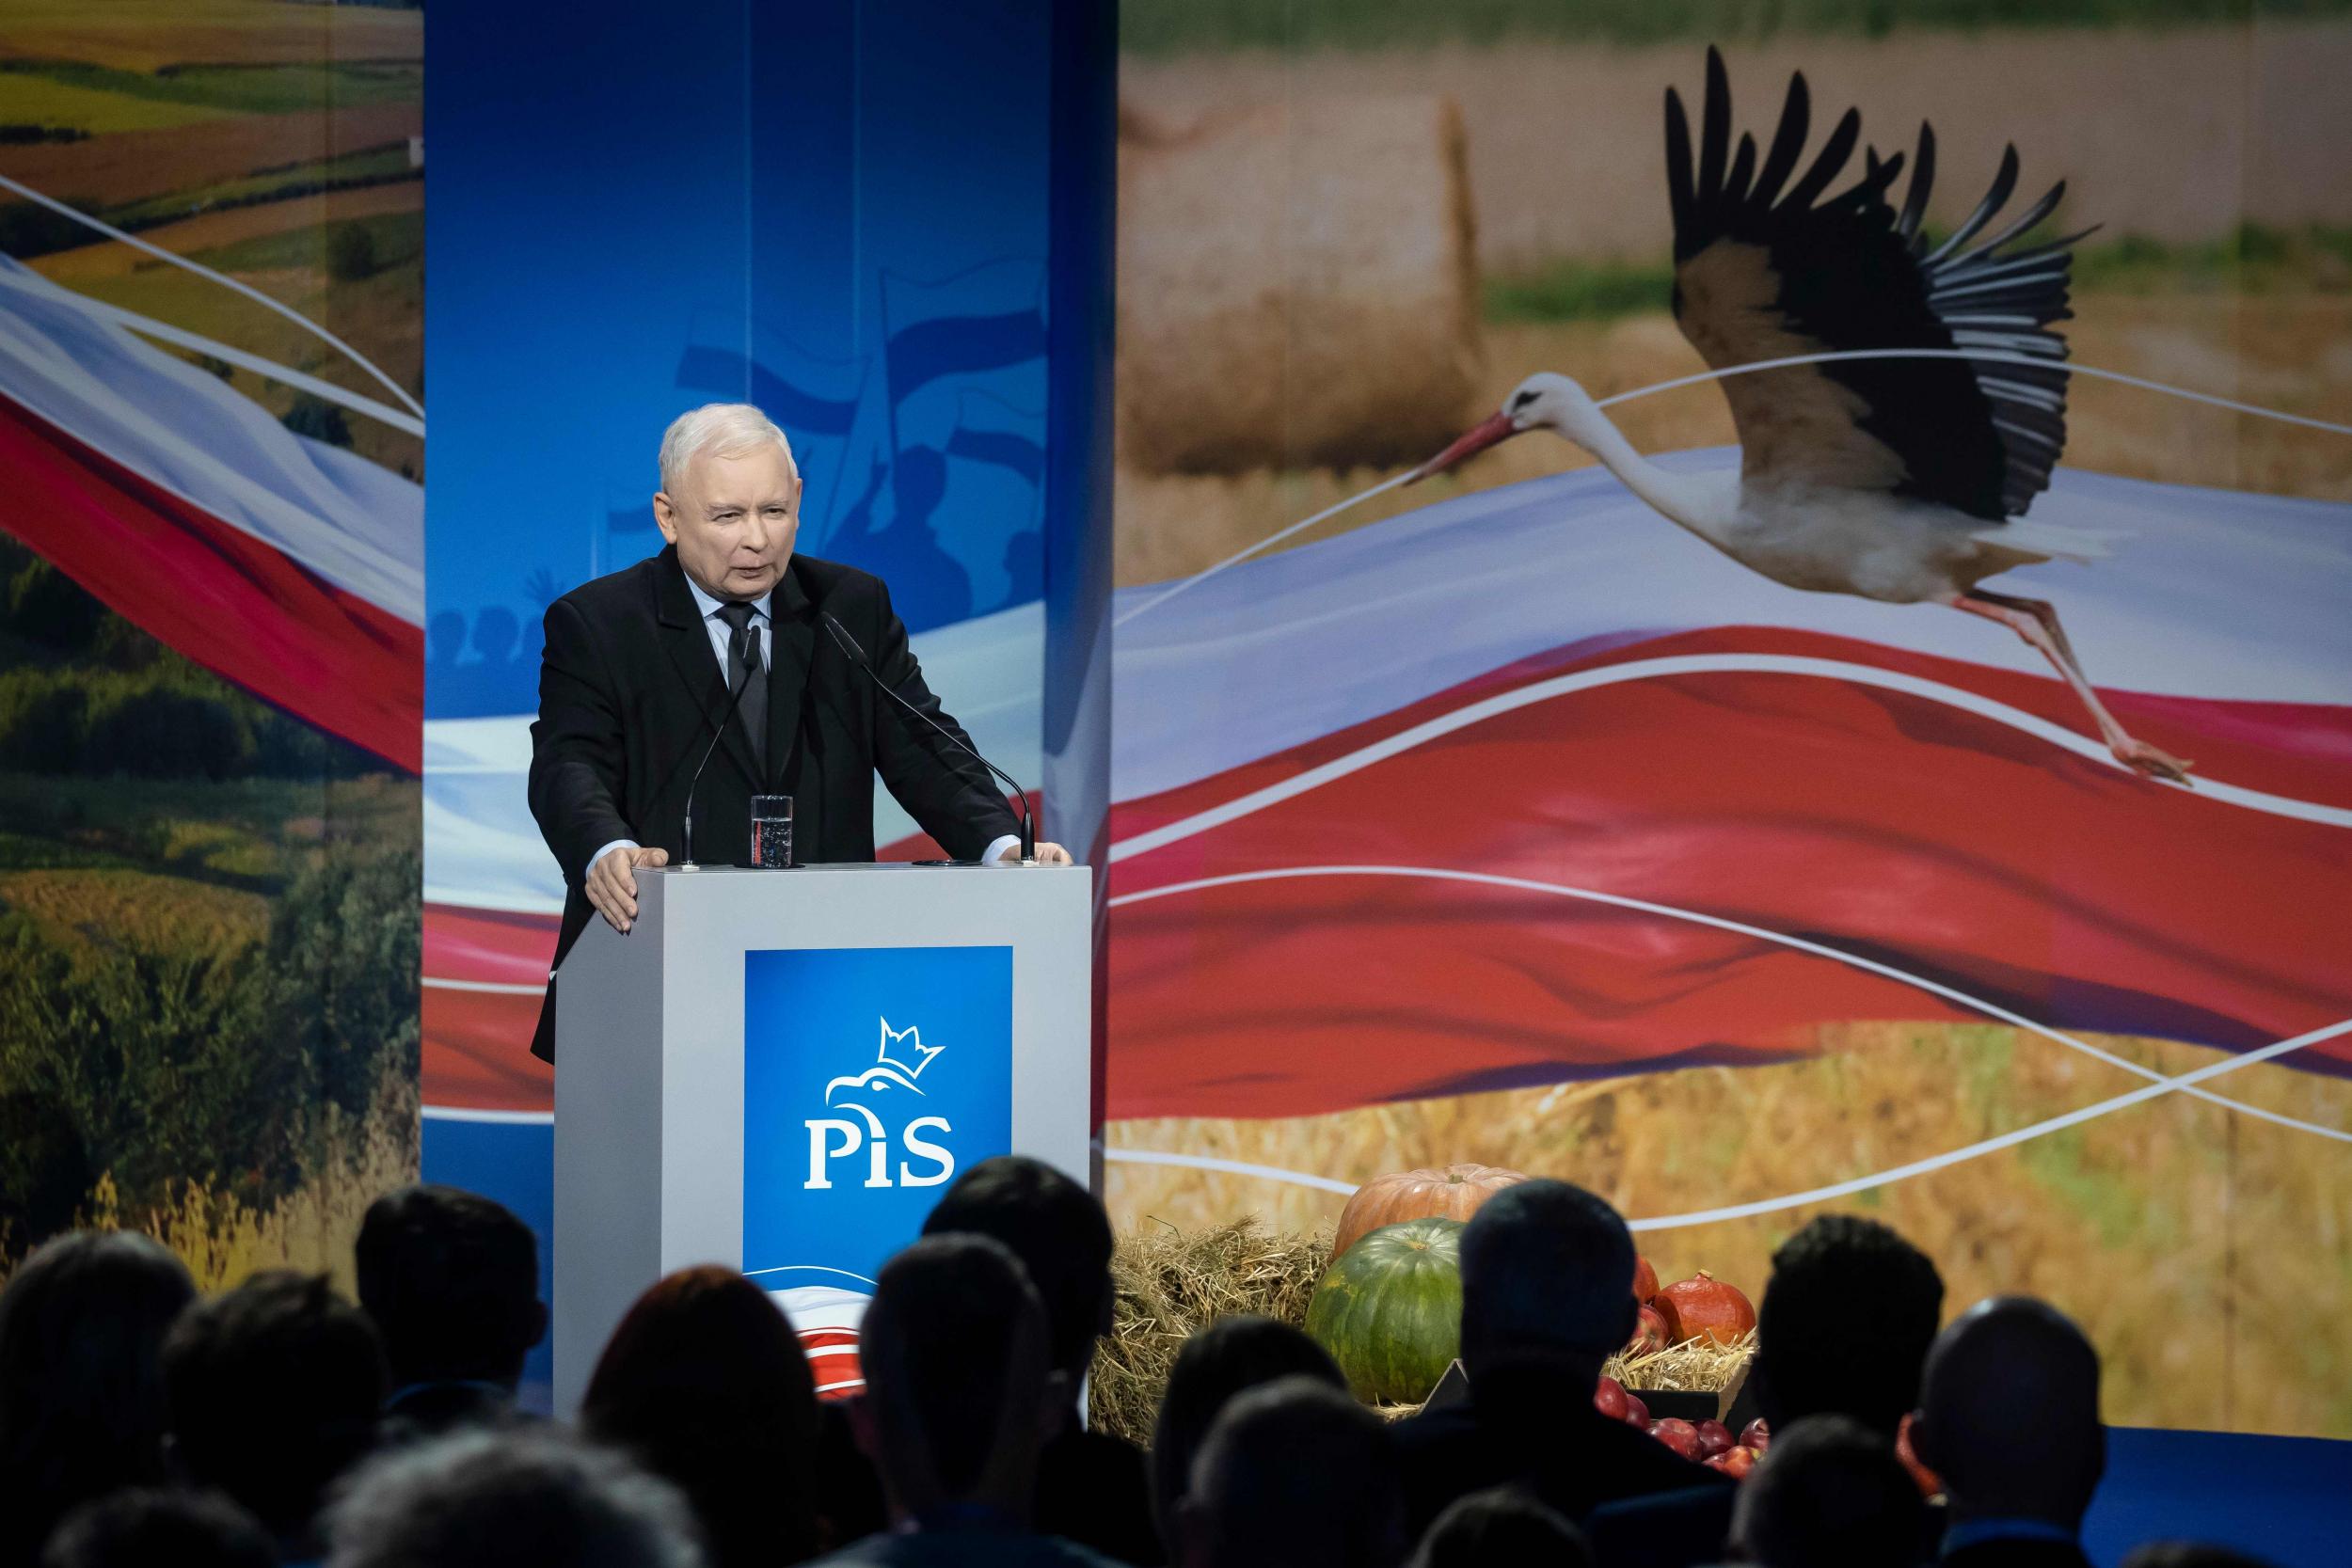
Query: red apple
{"points": [[1609, 1398], [1649, 1333], [1644, 1279], [1677, 1434], [1756, 1436], [1735, 1461], [1636, 1411], [1929, 1484], [1714, 1438]]}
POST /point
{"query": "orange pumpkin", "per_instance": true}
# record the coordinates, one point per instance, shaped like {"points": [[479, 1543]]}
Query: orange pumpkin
{"points": [[1704, 1304], [1454, 1192]]}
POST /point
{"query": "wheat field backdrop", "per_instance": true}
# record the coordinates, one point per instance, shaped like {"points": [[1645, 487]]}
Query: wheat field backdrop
{"points": [[2206, 1252]]}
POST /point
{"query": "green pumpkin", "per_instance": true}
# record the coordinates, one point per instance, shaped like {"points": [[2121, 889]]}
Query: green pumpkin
{"points": [[1389, 1309]]}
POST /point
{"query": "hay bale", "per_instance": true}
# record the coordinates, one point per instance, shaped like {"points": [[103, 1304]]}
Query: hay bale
{"points": [[1297, 287], [1170, 1283]]}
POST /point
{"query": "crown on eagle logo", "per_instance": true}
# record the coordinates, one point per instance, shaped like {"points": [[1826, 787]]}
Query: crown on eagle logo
{"points": [[911, 1034], [888, 1069]]}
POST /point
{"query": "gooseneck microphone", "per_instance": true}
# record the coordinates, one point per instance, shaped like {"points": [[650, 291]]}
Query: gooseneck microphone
{"points": [[849, 645], [717, 735]]}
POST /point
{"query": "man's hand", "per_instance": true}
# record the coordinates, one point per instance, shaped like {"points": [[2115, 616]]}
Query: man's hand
{"points": [[612, 882], [1052, 854]]}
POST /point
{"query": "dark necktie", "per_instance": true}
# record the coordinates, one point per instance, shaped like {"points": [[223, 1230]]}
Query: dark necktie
{"points": [[743, 668]]}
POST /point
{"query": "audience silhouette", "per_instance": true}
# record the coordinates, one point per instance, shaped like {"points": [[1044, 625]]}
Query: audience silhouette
{"points": [[153, 1527], [1547, 1298], [518, 1499], [1294, 1475], [452, 1283], [1229, 1357], [1092, 1488], [961, 1398], [82, 1327], [1501, 1528], [273, 1390], [1816, 1354], [278, 1423], [1832, 1492], [704, 1382], [2008, 1417]]}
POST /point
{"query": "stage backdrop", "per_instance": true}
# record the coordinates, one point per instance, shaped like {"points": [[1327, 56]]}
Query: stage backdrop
{"points": [[867, 220], [1500, 819], [211, 593]]}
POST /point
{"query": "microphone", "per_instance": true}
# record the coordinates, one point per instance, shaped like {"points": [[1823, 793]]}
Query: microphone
{"points": [[849, 645], [716, 736]]}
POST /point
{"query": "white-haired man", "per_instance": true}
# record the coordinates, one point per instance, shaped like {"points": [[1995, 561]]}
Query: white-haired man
{"points": [[638, 671]]}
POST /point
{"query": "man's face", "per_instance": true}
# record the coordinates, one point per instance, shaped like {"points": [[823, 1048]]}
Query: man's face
{"points": [[732, 520]]}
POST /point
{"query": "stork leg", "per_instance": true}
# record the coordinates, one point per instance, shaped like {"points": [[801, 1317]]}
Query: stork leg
{"points": [[2037, 622]]}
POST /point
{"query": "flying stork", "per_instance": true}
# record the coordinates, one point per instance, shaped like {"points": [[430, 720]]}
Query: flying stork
{"points": [[1901, 479]]}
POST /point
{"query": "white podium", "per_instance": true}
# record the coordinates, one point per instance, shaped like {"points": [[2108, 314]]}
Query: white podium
{"points": [[779, 1071]]}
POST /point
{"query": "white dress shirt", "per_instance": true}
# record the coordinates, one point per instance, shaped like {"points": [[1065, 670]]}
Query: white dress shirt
{"points": [[720, 634]]}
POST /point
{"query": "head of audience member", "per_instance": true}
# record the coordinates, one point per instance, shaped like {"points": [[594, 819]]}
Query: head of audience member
{"points": [[1547, 1285], [451, 1281], [706, 1383], [2189, 1554], [82, 1328], [1229, 1357], [956, 1405], [1061, 1236], [273, 1390], [1817, 1354], [1294, 1475], [1831, 1491], [2008, 1414], [148, 1527], [492, 1498], [1502, 1528]]}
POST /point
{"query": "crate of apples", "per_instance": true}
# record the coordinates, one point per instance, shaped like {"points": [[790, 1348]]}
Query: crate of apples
{"points": [[1708, 1443]]}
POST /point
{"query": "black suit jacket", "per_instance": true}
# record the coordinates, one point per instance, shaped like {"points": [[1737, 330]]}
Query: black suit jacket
{"points": [[630, 690]]}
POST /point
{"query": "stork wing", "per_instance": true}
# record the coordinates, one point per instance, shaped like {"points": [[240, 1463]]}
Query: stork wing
{"points": [[1765, 269]]}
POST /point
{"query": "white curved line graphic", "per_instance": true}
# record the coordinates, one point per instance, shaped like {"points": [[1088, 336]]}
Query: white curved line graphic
{"points": [[246, 288], [324, 390], [502, 1118], [489, 987], [1990, 355], [1266, 544], [1860, 1183], [1690, 664], [806, 1268], [1741, 927], [1230, 1167]]}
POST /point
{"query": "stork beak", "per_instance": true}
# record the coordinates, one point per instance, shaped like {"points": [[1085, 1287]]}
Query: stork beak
{"points": [[1496, 427]]}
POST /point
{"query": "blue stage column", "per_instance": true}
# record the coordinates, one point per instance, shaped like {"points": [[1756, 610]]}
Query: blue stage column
{"points": [[888, 225]]}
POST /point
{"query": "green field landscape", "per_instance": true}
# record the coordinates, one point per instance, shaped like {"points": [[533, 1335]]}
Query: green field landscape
{"points": [[208, 915]]}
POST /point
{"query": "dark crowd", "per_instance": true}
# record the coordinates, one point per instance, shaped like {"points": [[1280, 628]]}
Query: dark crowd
{"points": [[280, 1424]]}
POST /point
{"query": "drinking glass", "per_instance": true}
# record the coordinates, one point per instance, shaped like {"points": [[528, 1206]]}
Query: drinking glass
{"points": [[771, 830]]}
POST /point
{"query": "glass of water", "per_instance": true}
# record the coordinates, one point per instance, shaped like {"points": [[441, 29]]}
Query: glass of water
{"points": [[771, 830]]}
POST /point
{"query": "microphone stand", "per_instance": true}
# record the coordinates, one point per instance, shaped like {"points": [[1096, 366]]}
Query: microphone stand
{"points": [[849, 645], [718, 735]]}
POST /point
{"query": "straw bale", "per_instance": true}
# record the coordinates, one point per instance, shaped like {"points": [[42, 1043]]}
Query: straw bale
{"points": [[1170, 1283], [1297, 287]]}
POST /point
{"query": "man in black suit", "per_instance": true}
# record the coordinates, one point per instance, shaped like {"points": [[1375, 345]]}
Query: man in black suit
{"points": [[637, 675], [1547, 1297], [2008, 1417]]}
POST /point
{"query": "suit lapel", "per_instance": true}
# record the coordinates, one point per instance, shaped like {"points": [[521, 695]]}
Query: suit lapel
{"points": [[792, 643], [688, 642]]}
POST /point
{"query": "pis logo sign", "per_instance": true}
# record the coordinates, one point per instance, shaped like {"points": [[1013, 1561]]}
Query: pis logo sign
{"points": [[871, 1077]]}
